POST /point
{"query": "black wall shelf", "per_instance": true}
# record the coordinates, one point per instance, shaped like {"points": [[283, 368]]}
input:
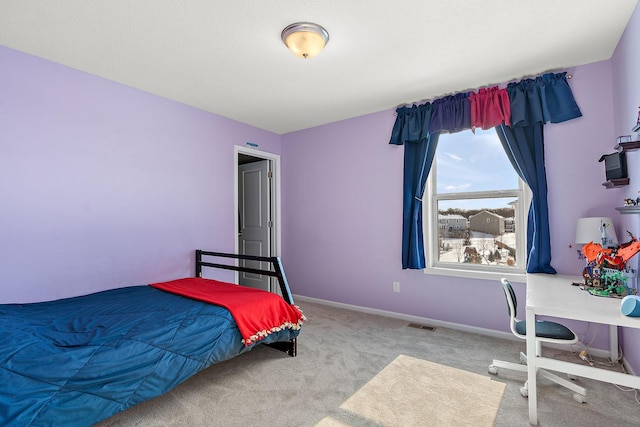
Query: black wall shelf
{"points": [[622, 147], [628, 146], [620, 182]]}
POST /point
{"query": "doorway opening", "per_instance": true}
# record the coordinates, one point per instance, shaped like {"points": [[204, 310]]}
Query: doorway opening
{"points": [[257, 211]]}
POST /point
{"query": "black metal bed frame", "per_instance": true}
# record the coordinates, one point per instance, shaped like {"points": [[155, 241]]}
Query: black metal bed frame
{"points": [[290, 347]]}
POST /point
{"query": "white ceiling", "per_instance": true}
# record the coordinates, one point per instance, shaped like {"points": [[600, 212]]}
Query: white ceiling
{"points": [[226, 57]]}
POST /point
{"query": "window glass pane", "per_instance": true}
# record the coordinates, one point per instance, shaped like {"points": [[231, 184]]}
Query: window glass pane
{"points": [[479, 231], [468, 162], [478, 207]]}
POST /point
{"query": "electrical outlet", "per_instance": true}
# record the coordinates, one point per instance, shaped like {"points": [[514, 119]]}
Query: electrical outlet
{"points": [[396, 286]]}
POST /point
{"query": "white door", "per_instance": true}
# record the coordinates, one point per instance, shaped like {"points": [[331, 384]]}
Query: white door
{"points": [[255, 224]]}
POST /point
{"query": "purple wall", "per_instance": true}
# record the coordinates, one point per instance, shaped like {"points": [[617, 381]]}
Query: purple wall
{"points": [[103, 185], [343, 185], [626, 99]]}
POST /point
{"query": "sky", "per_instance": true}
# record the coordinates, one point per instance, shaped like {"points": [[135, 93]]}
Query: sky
{"points": [[466, 163]]}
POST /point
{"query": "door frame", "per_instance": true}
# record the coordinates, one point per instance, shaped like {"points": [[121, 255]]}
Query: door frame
{"points": [[275, 198]]}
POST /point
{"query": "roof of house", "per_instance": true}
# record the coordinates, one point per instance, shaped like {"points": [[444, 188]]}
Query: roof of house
{"points": [[440, 216], [485, 213]]}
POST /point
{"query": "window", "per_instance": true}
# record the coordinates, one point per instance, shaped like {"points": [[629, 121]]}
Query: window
{"points": [[475, 209]]}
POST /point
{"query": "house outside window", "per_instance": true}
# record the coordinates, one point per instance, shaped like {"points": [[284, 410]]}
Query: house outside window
{"points": [[475, 209]]}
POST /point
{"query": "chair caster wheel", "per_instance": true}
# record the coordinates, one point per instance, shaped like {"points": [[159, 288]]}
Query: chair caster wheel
{"points": [[524, 390], [493, 370], [579, 398], [572, 377]]}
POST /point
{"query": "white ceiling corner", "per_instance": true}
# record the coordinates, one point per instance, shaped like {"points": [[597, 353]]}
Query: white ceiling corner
{"points": [[227, 57]]}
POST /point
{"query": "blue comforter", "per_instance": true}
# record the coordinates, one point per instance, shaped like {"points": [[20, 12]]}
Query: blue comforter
{"points": [[76, 361]]}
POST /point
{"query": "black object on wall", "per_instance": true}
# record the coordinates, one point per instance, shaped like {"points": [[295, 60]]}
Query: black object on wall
{"points": [[615, 165]]}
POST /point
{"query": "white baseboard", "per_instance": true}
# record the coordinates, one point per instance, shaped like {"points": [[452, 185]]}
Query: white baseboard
{"points": [[439, 323], [412, 319]]}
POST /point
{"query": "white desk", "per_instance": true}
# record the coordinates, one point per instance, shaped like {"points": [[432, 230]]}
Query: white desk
{"points": [[553, 295]]}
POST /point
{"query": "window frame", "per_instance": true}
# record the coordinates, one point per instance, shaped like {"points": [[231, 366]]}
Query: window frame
{"points": [[430, 228]]}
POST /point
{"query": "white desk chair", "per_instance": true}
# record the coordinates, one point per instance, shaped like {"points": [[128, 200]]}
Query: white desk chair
{"points": [[545, 332]]}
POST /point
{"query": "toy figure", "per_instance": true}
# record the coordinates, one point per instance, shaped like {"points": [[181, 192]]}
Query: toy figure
{"points": [[615, 258], [603, 274]]}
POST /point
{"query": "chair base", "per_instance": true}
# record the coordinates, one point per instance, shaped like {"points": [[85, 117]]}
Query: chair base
{"points": [[580, 393]]}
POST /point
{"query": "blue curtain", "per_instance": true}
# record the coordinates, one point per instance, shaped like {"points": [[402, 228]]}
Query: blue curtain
{"points": [[534, 102], [547, 98], [411, 129], [524, 146]]}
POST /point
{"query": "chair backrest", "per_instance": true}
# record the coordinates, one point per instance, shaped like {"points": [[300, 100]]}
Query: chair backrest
{"points": [[512, 304], [545, 330]]}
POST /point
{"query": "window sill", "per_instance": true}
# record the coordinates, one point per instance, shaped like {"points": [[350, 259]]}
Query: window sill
{"points": [[517, 277]]}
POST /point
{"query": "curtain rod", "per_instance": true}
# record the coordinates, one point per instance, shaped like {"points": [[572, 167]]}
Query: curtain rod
{"points": [[569, 76]]}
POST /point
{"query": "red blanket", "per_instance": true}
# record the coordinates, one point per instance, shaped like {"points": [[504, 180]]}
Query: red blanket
{"points": [[257, 313]]}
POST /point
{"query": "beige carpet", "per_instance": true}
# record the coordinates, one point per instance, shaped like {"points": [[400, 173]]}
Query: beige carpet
{"points": [[415, 392], [340, 351]]}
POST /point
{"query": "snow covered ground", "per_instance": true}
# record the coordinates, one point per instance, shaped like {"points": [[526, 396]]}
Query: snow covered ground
{"points": [[453, 250]]}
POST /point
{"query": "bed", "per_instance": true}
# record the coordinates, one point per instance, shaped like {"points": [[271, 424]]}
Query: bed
{"points": [[79, 360]]}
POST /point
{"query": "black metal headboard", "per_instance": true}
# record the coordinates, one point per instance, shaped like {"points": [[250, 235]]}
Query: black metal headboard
{"points": [[276, 268]]}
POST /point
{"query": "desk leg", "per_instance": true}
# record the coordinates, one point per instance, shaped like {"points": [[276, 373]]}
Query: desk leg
{"points": [[531, 366], [613, 343]]}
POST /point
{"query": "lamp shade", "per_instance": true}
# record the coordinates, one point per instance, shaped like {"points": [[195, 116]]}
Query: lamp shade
{"points": [[596, 229], [305, 39]]}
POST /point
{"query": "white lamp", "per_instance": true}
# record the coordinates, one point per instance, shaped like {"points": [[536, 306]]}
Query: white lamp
{"points": [[305, 39], [598, 230]]}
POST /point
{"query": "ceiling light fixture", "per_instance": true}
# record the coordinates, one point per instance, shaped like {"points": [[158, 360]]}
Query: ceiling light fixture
{"points": [[305, 39]]}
